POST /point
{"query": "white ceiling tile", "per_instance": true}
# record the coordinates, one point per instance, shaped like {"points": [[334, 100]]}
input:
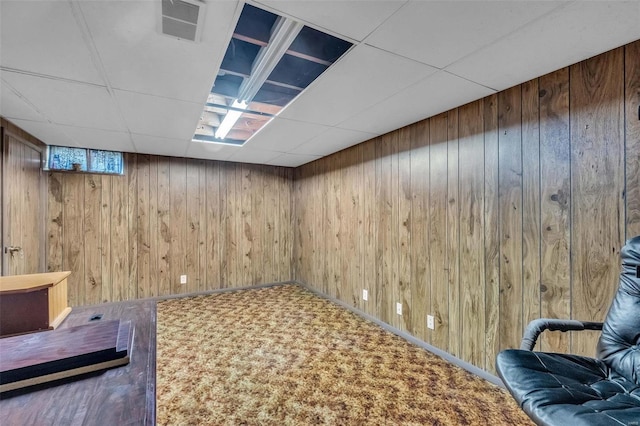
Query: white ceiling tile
{"points": [[440, 32], [352, 18], [161, 83], [331, 141], [13, 106], [435, 94], [283, 135], [50, 41], [364, 77], [146, 144], [155, 116], [211, 151], [292, 160], [585, 29], [137, 57], [50, 134], [64, 102], [99, 139], [253, 155]]}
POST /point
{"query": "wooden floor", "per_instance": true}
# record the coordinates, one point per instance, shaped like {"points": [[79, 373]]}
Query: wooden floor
{"points": [[121, 396]]}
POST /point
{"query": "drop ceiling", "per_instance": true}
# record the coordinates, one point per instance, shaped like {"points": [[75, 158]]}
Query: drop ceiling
{"points": [[99, 74]]}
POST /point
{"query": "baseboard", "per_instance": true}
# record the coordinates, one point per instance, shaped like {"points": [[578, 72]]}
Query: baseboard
{"points": [[223, 290], [197, 293], [412, 339]]}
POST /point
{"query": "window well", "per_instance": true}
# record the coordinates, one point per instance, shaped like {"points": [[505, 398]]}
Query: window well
{"points": [[269, 61]]}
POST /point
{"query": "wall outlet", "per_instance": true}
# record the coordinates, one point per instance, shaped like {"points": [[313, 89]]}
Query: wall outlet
{"points": [[365, 295], [431, 322], [183, 279], [399, 308]]}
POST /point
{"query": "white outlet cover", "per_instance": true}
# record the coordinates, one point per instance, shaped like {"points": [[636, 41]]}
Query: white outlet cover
{"points": [[399, 308], [430, 322], [183, 279], [365, 295]]}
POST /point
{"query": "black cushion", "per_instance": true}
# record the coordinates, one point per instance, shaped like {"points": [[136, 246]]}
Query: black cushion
{"points": [[619, 345], [559, 389]]}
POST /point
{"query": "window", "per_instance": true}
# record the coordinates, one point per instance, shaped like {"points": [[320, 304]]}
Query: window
{"points": [[84, 160]]}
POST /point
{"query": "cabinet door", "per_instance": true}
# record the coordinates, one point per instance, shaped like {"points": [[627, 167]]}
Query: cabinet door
{"points": [[23, 207]]}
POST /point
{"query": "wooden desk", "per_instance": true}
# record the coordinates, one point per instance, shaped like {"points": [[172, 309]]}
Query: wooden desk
{"points": [[121, 396], [33, 302]]}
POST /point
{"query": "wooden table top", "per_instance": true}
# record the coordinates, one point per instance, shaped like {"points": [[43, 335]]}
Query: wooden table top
{"points": [[13, 283], [120, 396]]}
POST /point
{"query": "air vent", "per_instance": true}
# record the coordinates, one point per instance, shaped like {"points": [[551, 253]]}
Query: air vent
{"points": [[182, 19]]}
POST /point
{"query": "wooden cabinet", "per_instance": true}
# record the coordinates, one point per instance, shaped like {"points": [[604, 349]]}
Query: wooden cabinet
{"points": [[34, 302]]}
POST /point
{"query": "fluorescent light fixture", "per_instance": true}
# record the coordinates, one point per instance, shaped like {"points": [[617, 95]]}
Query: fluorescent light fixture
{"points": [[230, 119], [284, 32]]}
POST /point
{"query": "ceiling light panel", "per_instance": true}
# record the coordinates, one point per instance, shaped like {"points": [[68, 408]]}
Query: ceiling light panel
{"points": [[269, 61]]}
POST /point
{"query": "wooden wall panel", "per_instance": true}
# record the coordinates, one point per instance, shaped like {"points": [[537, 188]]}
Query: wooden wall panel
{"points": [[178, 222], [73, 238], [368, 187], [105, 247], [404, 219], [491, 234], [471, 186], [132, 211], [438, 230], [632, 136], [54, 222], [510, 215], [453, 233], [164, 232], [530, 202], [193, 224], [384, 249], [419, 231], [597, 187], [516, 210], [132, 236], [555, 201], [143, 226], [214, 235], [92, 238]]}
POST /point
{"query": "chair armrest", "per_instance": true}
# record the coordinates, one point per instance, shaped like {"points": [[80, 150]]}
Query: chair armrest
{"points": [[537, 326]]}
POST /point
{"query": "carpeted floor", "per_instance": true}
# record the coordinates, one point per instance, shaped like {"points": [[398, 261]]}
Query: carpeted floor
{"points": [[284, 356]]}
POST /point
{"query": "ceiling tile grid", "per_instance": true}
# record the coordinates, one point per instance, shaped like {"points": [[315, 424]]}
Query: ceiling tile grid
{"points": [[433, 95], [354, 19], [573, 33], [364, 77], [157, 116], [440, 32], [69, 103], [43, 37], [99, 73], [137, 58], [333, 140]]}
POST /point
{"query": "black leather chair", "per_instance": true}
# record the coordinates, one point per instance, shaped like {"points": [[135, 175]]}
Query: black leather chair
{"points": [[559, 389]]}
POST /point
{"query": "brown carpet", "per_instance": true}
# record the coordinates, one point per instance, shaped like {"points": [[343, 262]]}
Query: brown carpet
{"points": [[284, 356]]}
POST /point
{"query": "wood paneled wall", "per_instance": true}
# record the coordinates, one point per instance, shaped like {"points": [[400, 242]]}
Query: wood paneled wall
{"points": [[132, 236], [487, 216]]}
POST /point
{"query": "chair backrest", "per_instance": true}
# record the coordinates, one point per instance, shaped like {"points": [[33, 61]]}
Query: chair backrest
{"points": [[619, 345]]}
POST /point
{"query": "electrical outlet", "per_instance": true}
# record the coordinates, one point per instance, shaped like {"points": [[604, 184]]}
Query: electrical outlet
{"points": [[399, 308], [431, 322], [183, 279], [365, 295]]}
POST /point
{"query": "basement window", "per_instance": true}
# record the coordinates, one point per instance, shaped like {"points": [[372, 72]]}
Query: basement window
{"points": [[62, 158], [269, 61]]}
